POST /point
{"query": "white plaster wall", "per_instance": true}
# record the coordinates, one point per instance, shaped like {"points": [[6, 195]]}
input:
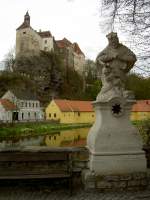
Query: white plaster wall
{"points": [[49, 45], [28, 108], [5, 116]]}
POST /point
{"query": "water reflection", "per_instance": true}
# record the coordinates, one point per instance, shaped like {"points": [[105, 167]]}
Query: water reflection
{"points": [[67, 138]]}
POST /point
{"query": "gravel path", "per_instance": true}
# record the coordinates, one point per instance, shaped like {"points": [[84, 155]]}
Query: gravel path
{"points": [[45, 193]]}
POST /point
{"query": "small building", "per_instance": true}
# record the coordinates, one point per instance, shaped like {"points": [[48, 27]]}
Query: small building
{"points": [[141, 110], [68, 111], [28, 107], [7, 110]]}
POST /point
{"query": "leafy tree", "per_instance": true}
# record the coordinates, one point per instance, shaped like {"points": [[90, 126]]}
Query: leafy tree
{"points": [[139, 85], [15, 81], [92, 90]]}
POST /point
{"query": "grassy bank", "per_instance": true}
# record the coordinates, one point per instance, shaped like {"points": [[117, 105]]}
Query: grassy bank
{"points": [[32, 129]]}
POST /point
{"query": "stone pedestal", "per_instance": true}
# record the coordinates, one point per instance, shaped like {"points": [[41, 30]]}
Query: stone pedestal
{"points": [[114, 144]]}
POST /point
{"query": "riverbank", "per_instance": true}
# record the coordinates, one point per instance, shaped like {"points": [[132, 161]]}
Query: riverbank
{"points": [[35, 129]]}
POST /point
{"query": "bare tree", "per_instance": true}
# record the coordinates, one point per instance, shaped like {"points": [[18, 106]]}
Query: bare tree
{"points": [[9, 60], [132, 18]]}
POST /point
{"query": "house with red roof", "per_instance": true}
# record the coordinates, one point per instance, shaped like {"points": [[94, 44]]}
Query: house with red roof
{"points": [[7, 110], [141, 110], [70, 111], [20, 106]]}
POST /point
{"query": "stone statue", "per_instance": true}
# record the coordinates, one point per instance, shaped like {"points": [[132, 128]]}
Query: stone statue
{"points": [[114, 144], [114, 62]]}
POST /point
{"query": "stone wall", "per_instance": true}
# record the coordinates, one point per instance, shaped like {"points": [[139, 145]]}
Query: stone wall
{"points": [[133, 181], [28, 42]]}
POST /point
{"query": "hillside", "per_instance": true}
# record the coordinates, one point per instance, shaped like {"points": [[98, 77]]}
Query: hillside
{"points": [[44, 75]]}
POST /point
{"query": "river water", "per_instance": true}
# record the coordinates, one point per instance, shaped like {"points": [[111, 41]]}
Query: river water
{"points": [[65, 138]]}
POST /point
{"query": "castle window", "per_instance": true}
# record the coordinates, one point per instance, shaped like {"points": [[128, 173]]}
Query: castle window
{"points": [[24, 32], [28, 114], [45, 41]]}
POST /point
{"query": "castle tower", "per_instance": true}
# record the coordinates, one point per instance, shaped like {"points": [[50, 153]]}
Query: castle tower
{"points": [[27, 19], [28, 41]]}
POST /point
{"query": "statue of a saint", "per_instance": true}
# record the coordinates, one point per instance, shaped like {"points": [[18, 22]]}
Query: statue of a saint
{"points": [[114, 62]]}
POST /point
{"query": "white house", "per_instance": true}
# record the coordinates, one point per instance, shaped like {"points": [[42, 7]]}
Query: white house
{"points": [[28, 106]]}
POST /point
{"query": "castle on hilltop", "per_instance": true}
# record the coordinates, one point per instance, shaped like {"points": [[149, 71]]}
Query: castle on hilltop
{"points": [[30, 42]]}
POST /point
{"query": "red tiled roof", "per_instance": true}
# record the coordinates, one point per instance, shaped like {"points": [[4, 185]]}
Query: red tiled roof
{"points": [[66, 43], [7, 104], [63, 43], [141, 106], [45, 34], [74, 106], [77, 48]]}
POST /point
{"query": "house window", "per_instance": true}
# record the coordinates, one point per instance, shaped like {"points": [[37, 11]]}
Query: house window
{"points": [[22, 115], [54, 114], [35, 115], [45, 41], [36, 104], [54, 137], [24, 32], [22, 104], [92, 115], [29, 104], [33, 105], [26, 104], [78, 113], [49, 114]]}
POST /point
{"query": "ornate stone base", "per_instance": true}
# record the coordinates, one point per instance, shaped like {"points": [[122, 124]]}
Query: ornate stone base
{"points": [[114, 144], [132, 181]]}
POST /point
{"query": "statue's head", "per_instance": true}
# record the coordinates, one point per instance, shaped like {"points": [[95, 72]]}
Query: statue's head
{"points": [[113, 39]]}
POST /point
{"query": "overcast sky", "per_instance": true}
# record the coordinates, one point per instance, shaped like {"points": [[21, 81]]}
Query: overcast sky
{"points": [[77, 20]]}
